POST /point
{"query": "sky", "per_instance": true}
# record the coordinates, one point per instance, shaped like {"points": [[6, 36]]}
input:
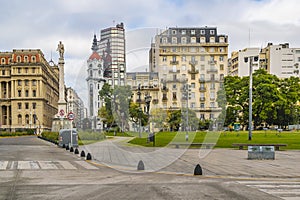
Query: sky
{"points": [[41, 24]]}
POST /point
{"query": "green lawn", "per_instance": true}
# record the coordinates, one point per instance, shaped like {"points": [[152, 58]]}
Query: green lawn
{"points": [[224, 139]]}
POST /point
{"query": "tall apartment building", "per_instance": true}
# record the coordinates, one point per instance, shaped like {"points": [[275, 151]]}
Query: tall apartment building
{"points": [[112, 48], [279, 60], [237, 65], [193, 56], [29, 90]]}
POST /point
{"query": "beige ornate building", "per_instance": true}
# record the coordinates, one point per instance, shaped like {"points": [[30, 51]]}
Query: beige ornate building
{"points": [[196, 57], [29, 90]]}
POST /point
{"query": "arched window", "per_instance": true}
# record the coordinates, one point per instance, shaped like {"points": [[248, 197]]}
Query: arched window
{"points": [[27, 119], [34, 118], [19, 119], [33, 59], [18, 58], [25, 58], [3, 61]]}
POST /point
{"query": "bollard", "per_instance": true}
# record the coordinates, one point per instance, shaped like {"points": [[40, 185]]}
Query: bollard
{"points": [[67, 147], [82, 154], [88, 156], [76, 151], [198, 170], [63, 146], [141, 165], [71, 149]]}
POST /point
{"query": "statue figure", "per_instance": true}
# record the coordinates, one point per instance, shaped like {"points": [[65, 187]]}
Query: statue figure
{"points": [[61, 50]]}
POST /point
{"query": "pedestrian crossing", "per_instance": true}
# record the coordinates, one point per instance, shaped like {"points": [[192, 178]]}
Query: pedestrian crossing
{"points": [[287, 190], [46, 165]]}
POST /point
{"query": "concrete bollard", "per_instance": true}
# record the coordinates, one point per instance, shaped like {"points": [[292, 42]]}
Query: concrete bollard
{"points": [[141, 165], [88, 156], [198, 170], [71, 149], [82, 154], [76, 151]]}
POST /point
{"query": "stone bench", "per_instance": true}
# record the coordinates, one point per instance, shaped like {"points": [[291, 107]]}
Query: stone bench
{"points": [[241, 146]]}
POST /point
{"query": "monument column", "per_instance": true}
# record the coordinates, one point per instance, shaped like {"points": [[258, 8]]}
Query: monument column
{"points": [[62, 104]]}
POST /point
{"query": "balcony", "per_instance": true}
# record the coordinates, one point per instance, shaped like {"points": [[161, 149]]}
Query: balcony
{"points": [[176, 71], [212, 70], [174, 62], [193, 71], [212, 62], [202, 98], [155, 101], [202, 89]]}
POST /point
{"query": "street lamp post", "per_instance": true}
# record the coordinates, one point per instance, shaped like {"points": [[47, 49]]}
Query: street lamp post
{"points": [[139, 114], [250, 93]]}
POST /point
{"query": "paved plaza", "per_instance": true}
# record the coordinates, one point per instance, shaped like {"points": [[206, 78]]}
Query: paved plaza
{"points": [[116, 153]]}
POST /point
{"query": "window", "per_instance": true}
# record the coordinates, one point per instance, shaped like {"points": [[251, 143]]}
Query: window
{"points": [[212, 32], [19, 83], [33, 105], [221, 58], [221, 77], [221, 67], [174, 49], [212, 77], [183, 40], [174, 32], [193, 58], [202, 39], [26, 93], [164, 50], [34, 93], [212, 86], [19, 119], [174, 96], [202, 105], [202, 32], [221, 49], [193, 32], [211, 116], [27, 119], [202, 58], [193, 77], [26, 82], [174, 58], [26, 105], [193, 50], [18, 58], [33, 59], [164, 59], [202, 77], [212, 104], [193, 105], [19, 93], [164, 40], [183, 67], [25, 58], [33, 70], [212, 39], [34, 82], [174, 87], [192, 85], [202, 67], [221, 39], [19, 70], [34, 118], [212, 95], [211, 49], [202, 117], [174, 40], [3, 72], [19, 106], [183, 32], [183, 58], [3, 61], [193, 39], [174, 68]]}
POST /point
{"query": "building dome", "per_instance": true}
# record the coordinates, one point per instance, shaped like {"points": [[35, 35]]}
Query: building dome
{"points": [[95, 55]]}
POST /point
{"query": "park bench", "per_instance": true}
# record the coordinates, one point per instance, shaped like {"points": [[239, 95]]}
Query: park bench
{"points": [[206, 145], [242, 145]]}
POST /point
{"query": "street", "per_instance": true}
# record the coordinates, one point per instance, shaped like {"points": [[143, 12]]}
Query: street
{"points": [[31, 168]]}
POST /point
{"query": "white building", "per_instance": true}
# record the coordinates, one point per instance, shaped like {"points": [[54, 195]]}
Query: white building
{"points": [[95, 82]]}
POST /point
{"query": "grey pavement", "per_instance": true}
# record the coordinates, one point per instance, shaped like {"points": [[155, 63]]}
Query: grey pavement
{"points": [[116, 153]]}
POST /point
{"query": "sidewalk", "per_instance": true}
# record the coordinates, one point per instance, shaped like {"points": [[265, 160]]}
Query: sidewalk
{"points": [[116, 153]]}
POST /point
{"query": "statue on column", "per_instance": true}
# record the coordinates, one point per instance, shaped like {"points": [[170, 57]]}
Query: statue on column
{"points": [[61, 50]]}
